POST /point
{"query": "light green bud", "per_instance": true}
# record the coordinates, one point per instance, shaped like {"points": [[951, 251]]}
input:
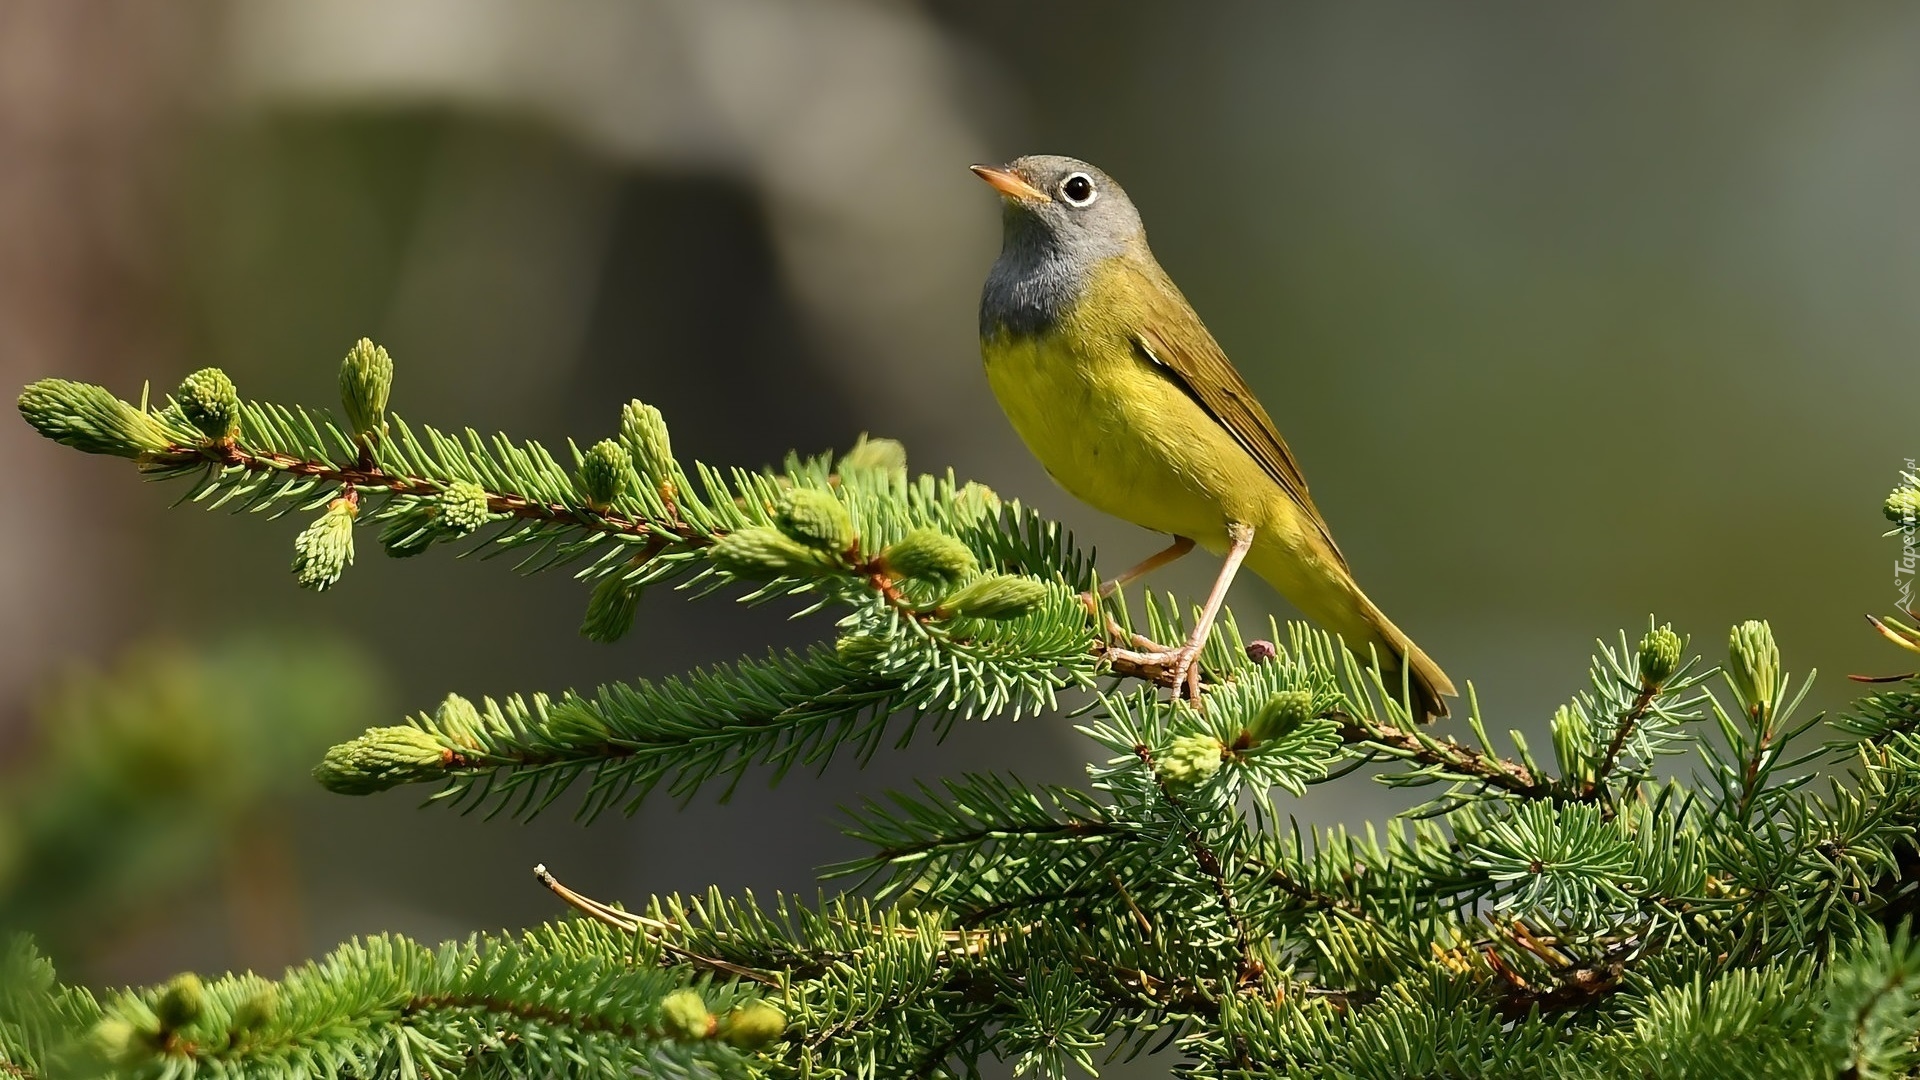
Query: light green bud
{"points": [[929, 555], [684, 1015], [643, 431], [816, 519], [459, 721], [366, 378], [119, 1042], [875, 455], [1659, 655], [760, 553], [975, 500], [210, 403], [384, 757], [995, 596], [1753, 665], [754, 1025], [1903, 506], [324, 550], [90, 419], [181, 1003], [606, 472], [1280, 715], [257, 1009], [464, 507], [1189, 759], [610, 610]]}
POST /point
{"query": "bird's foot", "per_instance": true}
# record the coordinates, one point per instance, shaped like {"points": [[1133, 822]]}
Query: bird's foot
{"points": [[1174, 668]]}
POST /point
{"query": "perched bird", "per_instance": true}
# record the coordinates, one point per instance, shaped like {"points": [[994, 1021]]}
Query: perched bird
{"points": [[1116, 386]]}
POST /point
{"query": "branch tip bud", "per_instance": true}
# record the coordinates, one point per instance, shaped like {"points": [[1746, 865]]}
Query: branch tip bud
{"points": [[1659, 655], [366, 379], [1190, 759], [817, 519], [1903, 506], [1280, 715], [754, 1025], [210, 402], [1753, 665], [643, 431], [876, 455], [381, 758], [324, 549], [90, 419], [760, 553], [606, 473], [181, 1003], [684, 1015], [464, 507], [995, 596], [929, 554]]}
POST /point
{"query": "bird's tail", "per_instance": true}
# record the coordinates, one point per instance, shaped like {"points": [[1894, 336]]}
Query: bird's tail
{"points": [[1398, 654]]}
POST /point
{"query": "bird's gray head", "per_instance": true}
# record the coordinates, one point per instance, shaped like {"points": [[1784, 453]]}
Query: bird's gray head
{"points": [[1062, 216]]}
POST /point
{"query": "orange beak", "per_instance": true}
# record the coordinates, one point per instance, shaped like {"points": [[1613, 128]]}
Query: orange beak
{"points": [[1009, 183]]}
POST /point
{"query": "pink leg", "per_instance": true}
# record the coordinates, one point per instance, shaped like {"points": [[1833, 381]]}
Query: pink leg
{"points": [[1179, 662]]}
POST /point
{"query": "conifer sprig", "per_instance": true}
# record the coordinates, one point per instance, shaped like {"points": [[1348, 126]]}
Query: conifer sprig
{"points": [[1585, 915]]}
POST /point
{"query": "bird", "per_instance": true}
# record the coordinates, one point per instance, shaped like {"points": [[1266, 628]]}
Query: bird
{"points": [[1117, 387]]}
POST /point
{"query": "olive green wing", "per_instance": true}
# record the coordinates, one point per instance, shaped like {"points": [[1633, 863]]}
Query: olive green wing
{"points": [[1173, 339]]}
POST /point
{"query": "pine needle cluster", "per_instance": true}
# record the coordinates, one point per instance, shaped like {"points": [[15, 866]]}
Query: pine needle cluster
{"points": [[1694, 878]]}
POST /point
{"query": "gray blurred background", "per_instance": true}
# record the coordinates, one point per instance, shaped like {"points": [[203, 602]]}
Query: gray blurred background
{"points": [[1571, 313]]}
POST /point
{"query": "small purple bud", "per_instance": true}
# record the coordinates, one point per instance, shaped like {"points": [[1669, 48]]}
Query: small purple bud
{"points": [[1261, 651]]}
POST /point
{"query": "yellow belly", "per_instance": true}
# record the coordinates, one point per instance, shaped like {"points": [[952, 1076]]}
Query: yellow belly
{"points": [[1123, 438]]}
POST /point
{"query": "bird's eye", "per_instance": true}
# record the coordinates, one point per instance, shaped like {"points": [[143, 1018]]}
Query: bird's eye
{"points": [[1078, 189]]}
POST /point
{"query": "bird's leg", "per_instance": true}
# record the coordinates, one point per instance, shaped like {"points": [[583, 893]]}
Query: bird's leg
{"points": [[1180, 546], [1179, 663]]}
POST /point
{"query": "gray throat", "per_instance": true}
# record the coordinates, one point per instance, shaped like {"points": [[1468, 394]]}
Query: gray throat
{"points": [[1033, 283]]}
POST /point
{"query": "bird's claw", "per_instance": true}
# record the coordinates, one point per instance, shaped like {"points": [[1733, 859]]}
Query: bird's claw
{"points": [[1175, 668]]}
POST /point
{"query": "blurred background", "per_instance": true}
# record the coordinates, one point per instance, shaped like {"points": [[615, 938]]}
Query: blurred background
{"points": [[1571, 313]]}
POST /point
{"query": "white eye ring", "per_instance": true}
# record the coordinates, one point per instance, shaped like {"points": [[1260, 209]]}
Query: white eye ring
{"points": [[1068, 186]]}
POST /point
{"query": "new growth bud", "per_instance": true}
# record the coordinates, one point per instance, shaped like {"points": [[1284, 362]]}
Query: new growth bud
{"points": [[118, 1042], [1659, 655], [181, 1003], [384, 757], [929, 555], [366, 378], [211, 404], [606, 473], [875, 455], [610, 610], [1903, 506], [643, 431], [816, 519], [257, 1009], [760, 553], [1190, 759], [464, 507], [1753, 665], [754, 1025], [995, 596], [684, 1015], [90, 419], [324, 550], [1280, 715]]}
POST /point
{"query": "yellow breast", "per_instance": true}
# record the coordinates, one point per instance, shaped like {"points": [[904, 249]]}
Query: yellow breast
{"points": [[1118, 434]]}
